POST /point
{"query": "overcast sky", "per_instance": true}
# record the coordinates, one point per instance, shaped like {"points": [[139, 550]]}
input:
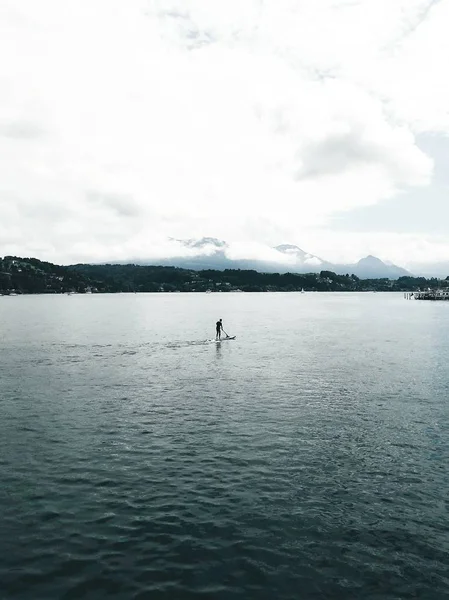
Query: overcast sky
{"points": [[322, 123]]}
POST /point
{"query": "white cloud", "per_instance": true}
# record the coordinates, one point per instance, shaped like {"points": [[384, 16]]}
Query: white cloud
{"points": [[312, 261], [258, 251], [123, 124], [404, 249]]}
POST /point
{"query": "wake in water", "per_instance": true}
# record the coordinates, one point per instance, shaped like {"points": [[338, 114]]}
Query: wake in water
{"points": [[188, 343]]}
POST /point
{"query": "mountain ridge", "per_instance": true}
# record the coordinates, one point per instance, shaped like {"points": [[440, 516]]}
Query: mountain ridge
{"points": [[32, 276], [292, 259]]}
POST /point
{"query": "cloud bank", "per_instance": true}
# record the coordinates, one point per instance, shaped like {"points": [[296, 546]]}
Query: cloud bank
{"points": [[125, 124]]}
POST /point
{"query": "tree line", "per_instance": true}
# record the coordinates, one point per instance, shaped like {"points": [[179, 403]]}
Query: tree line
{"points": [[33, 276]]}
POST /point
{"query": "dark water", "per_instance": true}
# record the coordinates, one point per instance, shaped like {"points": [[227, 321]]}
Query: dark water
{"points": [[309, 458]]}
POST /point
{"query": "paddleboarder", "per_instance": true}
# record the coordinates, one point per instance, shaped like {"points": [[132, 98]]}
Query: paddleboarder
{"points": [[219, 329]]}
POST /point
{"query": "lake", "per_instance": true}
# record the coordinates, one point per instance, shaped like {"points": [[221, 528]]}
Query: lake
{"points": [[307, 458]]}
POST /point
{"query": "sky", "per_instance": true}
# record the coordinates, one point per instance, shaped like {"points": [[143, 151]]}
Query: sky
{"points": [[125, 126]]}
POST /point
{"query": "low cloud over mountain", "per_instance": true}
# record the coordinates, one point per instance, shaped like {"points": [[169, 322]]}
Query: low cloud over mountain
{"points": [[211, 253]]}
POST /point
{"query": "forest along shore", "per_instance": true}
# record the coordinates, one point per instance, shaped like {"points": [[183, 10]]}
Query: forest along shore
{"points": [[33, 276]]}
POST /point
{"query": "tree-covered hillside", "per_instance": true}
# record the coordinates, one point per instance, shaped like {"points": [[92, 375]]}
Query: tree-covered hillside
{"points": [[32, 276]]}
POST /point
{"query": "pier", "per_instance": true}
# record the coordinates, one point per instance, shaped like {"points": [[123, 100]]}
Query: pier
{"points": [[428, 295]]}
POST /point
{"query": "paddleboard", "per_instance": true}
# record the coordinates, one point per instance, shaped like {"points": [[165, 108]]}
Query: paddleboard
{"points": [[232, 337]]}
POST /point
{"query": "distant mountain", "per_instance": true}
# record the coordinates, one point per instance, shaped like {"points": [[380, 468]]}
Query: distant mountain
{"points": [[372, 267], [206, 242], [304, 259], [212, 253]]}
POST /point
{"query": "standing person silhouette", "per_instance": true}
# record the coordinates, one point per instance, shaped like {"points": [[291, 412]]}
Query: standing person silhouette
{"points": [[219, 329]]}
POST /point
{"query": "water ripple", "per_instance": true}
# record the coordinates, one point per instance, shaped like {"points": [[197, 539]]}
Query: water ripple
{"points": [[311, 465]]}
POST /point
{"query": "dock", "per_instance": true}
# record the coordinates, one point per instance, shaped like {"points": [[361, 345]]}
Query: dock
{"points": [[428, 295]]}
